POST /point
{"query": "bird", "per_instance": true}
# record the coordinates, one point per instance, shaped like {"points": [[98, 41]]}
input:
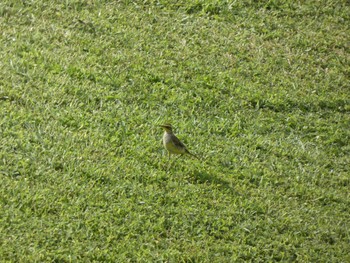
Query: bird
{"points": [[172, 144]]}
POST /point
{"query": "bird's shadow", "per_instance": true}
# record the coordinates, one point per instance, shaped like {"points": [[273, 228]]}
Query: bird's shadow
{"points": [[202, 177]]}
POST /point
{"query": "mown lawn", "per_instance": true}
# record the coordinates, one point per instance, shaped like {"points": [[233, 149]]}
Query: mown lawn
{"points": [[260, 90]]}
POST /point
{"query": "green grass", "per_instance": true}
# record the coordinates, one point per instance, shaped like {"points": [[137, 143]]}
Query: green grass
{"points": [[258, 89]]}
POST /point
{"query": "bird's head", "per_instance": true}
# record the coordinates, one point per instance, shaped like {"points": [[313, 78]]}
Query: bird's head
{"points": [[167, 127]]}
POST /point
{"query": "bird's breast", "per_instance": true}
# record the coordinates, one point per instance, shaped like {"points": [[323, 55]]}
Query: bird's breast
{"points": [[170, 145]]}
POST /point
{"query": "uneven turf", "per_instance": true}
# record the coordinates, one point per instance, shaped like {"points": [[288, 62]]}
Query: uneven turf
{"points": [[259, 89]]}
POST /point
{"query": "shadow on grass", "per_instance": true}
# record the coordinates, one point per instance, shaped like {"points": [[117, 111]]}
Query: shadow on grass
{"points": [[206, 178]]}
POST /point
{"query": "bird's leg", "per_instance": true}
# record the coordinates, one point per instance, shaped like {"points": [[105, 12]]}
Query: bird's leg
{"points": [[177, 157], [169, 163]]}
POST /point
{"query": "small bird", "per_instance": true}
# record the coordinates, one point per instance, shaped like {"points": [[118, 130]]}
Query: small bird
{"points": [[172, 143]]}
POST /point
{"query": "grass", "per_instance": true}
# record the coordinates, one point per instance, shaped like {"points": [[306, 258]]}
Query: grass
{"points": [[258, 89]]}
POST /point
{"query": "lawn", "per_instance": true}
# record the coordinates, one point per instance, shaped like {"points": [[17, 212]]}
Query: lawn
{"points": [[260, 90]]}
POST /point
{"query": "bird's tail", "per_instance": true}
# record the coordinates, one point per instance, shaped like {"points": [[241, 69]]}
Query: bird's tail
{"points": [[195, 156]]}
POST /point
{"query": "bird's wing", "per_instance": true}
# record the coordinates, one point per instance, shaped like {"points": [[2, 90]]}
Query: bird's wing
{"points": [[178, 143]]}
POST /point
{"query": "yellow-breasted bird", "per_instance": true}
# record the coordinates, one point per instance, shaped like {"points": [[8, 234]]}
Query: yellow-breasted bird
{"points": [[172, 143]]}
